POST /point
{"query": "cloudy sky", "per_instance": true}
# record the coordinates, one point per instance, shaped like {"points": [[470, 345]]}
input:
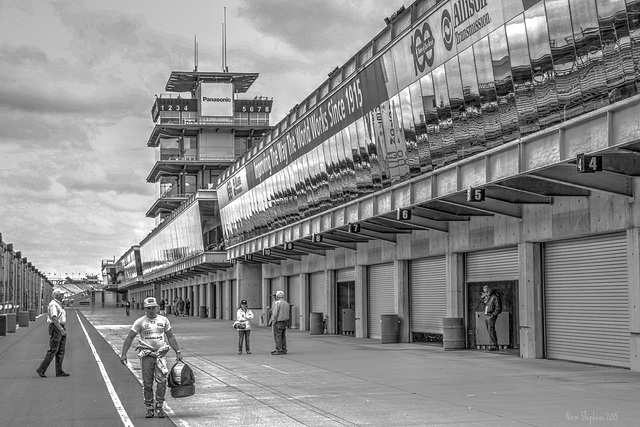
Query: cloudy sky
{"points": [[77, 82]]}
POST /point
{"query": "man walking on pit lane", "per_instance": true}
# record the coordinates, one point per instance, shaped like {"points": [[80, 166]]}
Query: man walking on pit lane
{"points": [[152, 351], [56, 318], [279, 320]]}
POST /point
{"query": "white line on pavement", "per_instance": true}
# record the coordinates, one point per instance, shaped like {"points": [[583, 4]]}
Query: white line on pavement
{"points": [[114, 396], [277, 370]]}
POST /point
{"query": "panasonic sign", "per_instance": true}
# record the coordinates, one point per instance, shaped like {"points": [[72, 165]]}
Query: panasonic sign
{"points": [[216, 100]]}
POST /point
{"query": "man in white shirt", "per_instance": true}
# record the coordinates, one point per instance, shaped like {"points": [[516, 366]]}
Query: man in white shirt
{"points": [[152, 350], [56, 318]]}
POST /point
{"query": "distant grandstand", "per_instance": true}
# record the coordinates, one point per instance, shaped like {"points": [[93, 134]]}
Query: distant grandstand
{"points": [[72, 287]]}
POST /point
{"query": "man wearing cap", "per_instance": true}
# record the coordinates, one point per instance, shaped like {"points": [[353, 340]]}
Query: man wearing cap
{"points": [[56, 318], [280, 319], [152, 350]]}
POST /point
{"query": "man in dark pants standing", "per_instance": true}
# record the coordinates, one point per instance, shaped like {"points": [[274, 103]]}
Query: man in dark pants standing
{"points": [[280, 320], [492, 309], [56, 318]]}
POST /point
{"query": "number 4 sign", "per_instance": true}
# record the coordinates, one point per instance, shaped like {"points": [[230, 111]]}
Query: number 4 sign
{"points": [[588, 164]]}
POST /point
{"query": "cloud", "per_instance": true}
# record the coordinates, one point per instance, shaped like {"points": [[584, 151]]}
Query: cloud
{"points": [[315, 26]]}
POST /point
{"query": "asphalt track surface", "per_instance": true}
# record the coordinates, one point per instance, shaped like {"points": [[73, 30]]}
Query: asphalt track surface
{"points": [[325, 380]]}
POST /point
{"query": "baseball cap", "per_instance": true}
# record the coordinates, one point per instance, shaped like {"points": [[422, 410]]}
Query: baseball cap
{"points": [[150, 302], [279, 294], [244, 301]]}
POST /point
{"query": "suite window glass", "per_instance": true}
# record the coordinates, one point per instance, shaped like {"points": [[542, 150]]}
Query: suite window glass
{"points": [[522, 76], [408, 134], [487, 93], [365, 161], [616, 49], [357, 162], [372, 151], [564, 58], [504, 85], [177, 240], [420, 128], [473, 108], [456, 105], [544, 86], [586, 34], [445, 152]]}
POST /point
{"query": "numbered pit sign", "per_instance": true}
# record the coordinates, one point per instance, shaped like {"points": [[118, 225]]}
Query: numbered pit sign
{"points": [[354, 228], [403, 214], [232, 261], [588, 164], [266, 252], [317, 238], [248, 257], [475, 194], [288, 246]]}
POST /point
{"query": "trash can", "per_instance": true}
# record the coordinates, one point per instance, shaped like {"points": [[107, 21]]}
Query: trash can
{"points": [[316, 326], [453, 334], [32, 315], [389, 328], [23, 319], [11, 323], [203, 312]]}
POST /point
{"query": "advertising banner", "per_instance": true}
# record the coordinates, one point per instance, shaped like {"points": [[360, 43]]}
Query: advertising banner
{"points": [[216, 100]]}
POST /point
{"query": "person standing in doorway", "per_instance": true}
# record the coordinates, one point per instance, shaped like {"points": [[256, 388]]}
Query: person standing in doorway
{"points": [[152, 351], [492, 309], [56, 318], [127, 307], [181, 307], [280, 319], [187, 307], [244, 316], [162, 312]]}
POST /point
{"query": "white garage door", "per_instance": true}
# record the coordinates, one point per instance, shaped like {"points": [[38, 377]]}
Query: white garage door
{"points": [[428, 281], [587, 300], [294, 299], [382, 296], [317, 293]]}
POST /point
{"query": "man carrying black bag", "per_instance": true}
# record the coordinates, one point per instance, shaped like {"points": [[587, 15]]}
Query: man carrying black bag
{"points": [[152, 351]]}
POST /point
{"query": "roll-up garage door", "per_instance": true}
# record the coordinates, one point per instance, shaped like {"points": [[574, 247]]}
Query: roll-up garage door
{"points": [[587, 300], [498, 264], [294, 300], [382, 296], [317, 293], [428, 281], [346, 275]]}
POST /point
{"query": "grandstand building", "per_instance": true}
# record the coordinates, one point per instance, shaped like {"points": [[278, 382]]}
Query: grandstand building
{"points": [[470, 143], [22, 286]]}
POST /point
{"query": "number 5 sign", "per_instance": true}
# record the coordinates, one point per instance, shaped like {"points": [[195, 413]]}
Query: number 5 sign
{"points": [[475, 194]]}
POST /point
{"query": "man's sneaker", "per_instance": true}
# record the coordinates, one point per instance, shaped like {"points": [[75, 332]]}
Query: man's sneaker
{"points": [[149, 413], [161, 413]]}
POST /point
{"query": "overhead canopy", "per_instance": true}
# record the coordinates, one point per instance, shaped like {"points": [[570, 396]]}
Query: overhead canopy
{"points": [[186, 81]]}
